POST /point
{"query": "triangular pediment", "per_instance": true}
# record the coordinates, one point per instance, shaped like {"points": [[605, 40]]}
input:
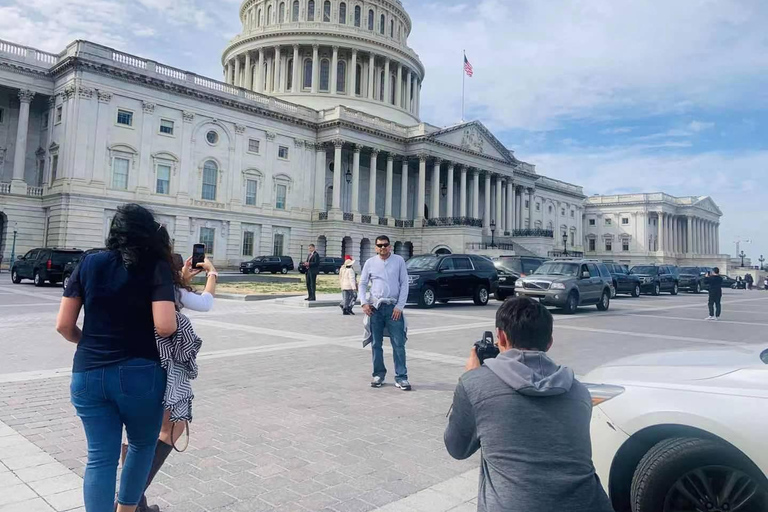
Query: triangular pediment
{"points": [[475, 138], [706, 203]]}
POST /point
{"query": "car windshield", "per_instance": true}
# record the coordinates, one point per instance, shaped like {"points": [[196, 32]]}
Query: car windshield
{"points": [[513, 264], [650, 270], [422, 263], [62, 258], [689, 270], [554, 268]]}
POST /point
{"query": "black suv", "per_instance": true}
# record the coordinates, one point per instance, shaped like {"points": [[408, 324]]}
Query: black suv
{"points": [[328, 265], [510, 268], [70, 267], [623, 281], [272, 264], [440, 278], [692, 278], [655, 279], [43, 265]]}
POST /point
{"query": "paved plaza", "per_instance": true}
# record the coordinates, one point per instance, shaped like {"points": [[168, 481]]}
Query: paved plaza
{"points": [[285, 419]]}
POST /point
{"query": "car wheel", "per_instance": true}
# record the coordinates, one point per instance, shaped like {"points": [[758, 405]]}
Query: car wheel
{"points": [[571, 304], [336, 271], [501, 296], [614, 290], [685, 473], [698, 288], [636, 291], [656, 289], [38, 280], [65, 282], [605, 301], [256, 270], [427, 297], [481, 295], [675, 289], [15, 277], [284, 270]]}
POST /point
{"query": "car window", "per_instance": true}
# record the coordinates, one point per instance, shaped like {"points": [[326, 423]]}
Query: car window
{"points": [[43, 255], [514, 264], [603, 270], [447, 264], [619, 269], [64, 257], [462, 264], [555, 268], [426, 262], [530, 265], [31, 254], [593, 270], [584, 268], [645, 269]]}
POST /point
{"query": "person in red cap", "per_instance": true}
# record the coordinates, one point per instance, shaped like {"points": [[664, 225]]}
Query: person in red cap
{"points": [[348, 281]]}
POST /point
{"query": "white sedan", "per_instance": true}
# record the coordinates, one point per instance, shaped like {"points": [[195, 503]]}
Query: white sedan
{"points": [[683, 431]]}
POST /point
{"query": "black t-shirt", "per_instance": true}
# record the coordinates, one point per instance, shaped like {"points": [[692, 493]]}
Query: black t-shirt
{"points": [[118, 321], [715, 284]]}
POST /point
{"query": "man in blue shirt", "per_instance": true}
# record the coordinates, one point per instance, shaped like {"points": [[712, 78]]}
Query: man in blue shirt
{"points": [[383, 292]]}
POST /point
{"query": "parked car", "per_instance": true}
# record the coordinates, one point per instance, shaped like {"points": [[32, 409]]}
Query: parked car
{"points": [[44, 264], [683, 431], [510, 268], [440, 278], [728, 281], [272, 264], [328, 265], [655, 279], [623, 281], [70, 266], [568, 283], [692, 279]]}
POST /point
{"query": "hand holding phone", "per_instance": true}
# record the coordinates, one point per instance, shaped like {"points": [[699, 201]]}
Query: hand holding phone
{"points": [[198, 254]]}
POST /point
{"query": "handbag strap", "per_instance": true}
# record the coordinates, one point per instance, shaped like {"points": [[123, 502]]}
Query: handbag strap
{"points": [[173, 441]]}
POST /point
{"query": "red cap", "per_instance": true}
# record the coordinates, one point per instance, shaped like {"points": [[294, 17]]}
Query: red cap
{"points": [[347, 257]]}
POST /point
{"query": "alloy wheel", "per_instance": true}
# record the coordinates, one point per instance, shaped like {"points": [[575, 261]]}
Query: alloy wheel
{"points": [[714, 489], [429, 297]]}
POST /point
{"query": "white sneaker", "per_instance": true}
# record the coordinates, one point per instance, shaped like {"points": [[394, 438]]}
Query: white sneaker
{"points": [[717, 318], [710, 318]]}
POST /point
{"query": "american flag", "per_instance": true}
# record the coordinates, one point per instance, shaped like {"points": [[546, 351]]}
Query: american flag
{"points": [[467, 67]]}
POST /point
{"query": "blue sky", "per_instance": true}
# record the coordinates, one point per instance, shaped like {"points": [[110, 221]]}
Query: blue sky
{"points": [[615, 96]]}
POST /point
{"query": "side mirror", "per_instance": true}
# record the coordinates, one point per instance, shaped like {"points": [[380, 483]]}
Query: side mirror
{"points": [[585, 275], [19, 258]]}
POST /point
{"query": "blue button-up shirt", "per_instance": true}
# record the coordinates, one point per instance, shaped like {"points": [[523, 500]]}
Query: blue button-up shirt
{"points": [[387, 280]]}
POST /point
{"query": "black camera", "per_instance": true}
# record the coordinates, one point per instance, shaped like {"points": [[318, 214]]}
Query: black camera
{"points": [[486, 348]]}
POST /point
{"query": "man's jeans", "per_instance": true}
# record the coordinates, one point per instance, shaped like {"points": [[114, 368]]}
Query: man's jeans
{"points": [[380, 319], [131, 394]]}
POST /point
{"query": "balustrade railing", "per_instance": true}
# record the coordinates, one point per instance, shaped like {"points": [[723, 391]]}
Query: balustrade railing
{"points": [[383, 221], [403, 223], [34, 191], [5, 188], [365, 219], [322, 216], [453, 221], [540, 233], [349, 217]]}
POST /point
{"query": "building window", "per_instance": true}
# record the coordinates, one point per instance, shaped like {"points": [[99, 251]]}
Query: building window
{"points": [[573, 213], [327, 11], [59, 110], [550, 208], [308, 73], [325, 75], [282, 152], [573, 239], [591, 222], [258, 19], [357, 16], [393, 91], [624, 221], [210, 179], [392, 28], [341, 76], [277, 248], [2, 116], [166, 127], [54, 167], [251, 186], [538, 207], [608, 222], [247, 243], [399, 32], [281, 13], [120, 173], [358, 79], [269, 15], [280, 192], [625, 245], [381, 86], [526, 204], [608, 246], [370, 20], [295, 11], [207, 238], [254, 145], [562, 212], [290, 75], [212, 137], [125, 117], [311, 10], [382, 24], [592, 244], [40, 172], [45, 119], [163, 179], [343, 13]]}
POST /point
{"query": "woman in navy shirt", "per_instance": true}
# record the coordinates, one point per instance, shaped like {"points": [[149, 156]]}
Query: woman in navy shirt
{"points": [[128, 293]]}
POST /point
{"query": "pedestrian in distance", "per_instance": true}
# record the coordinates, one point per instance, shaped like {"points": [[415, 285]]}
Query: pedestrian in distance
{"points": [[383, 294], [348, 283], [714, 282], [312, 267], [748, 280], [128, 293], [530, 416]]}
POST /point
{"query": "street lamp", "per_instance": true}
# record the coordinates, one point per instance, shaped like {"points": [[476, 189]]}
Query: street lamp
{"points": [[348, 176], [444, 190], [13, 246], [493, 231], [742, 255], [565, 244], [761, 260]]}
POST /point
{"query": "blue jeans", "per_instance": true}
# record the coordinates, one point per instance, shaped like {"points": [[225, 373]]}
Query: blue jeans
{"points": [[383, 318], [131, 394]]}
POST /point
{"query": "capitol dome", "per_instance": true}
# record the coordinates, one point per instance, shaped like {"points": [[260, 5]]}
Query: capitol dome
{"points": [[352, 53]]}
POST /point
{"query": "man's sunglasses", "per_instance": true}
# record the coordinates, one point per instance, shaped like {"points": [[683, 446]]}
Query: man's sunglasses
{"points": [[381, 246]]}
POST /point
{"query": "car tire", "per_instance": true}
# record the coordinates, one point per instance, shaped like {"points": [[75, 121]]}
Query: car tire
{"points": [[698, 288], [615, 290], [636, 291], [427, 297], [336, 271], [571, 303], [481, 295], [500, 296], [656, 290], [256, 270], [65, 282], [605, 301], [675, 463], [39, 281], [284, 270], [675, 289], [15, 279]]}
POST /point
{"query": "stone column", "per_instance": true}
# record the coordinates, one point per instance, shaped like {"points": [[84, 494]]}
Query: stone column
{"points": [[449, 197], [717, 238], [409, 91], [18, 185], [372, 182], [320, 178], [334, 69], [662, 232], [387, 94], [435, 206], [316, 76], [237, 71], [356, 179], [463, 192], [672, 234], [337, 172], [248, 74], [352, 74], [689, 235], [297, 66], [371, 69], [227, 71], [404, 190], [388, 192], [278, 85], [399, 86], [422, 190], [475, 194], [487, 204], [499, 220], [260, 73], [418, 97], [511, 214], [530, 208], [520, 208], [503, 222], [269, 88]]}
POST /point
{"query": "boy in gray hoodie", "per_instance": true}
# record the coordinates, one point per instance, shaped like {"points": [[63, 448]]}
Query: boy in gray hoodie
{"points": [[530, 417]]}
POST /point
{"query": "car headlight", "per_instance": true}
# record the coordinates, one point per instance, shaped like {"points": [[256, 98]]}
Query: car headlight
{"points": [[518, 284], [413, 279], [558, 286], [603, 392]]}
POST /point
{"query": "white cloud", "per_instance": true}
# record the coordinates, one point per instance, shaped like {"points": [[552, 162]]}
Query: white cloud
{"points": [[700, 126], [616, 131]]}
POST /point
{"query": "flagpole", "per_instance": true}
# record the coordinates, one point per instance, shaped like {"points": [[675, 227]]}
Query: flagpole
{"points": [[463, 78]]}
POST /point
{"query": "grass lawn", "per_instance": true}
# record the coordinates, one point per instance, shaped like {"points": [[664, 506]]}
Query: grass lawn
{"points": [[325, 284]]}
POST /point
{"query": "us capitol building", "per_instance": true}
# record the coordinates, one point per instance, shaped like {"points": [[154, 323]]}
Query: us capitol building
{"points": [[313, 135]]}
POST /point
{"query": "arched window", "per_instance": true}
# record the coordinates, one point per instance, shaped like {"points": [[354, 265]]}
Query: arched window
{"points": [[281, 12], [264, 76], [258, 19], [311, 10], [382, 24], [358, 79], [370, 19], [357, 15], [341, 76], [210, 180], [290, 75], [269, 15], [343, 13], [381, 86], [393, 82], [325, 75], [399, 32], [391, 28], [327, 11], [295, 12], [307, 73]]}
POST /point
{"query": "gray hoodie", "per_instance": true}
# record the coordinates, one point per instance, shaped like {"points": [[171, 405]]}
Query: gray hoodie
{"points": [[531, 419]]}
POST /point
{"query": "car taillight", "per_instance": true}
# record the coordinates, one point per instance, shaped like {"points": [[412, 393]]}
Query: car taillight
{"points": [[603, 392], [522, 275], [48, 265]]}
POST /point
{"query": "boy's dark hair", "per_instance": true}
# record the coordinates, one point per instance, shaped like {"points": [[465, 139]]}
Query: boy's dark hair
{"points": [[383, 237], [527, 324], [716, 270]]}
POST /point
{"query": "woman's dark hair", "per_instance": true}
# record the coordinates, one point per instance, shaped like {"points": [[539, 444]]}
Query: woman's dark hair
{"points": [[140, 240]]}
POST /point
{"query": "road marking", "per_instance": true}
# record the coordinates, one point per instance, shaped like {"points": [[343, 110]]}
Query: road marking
{"points": [[695, 319], [650, 335], [30, 304], [37, 295]]}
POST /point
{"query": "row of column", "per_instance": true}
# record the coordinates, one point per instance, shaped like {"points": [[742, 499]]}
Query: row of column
{"points": [[18, 185], [248, 72], [689, 234]]}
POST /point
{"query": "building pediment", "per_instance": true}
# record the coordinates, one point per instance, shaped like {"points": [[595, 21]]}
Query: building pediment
{"points": [[474, 138], [706, 203]]}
